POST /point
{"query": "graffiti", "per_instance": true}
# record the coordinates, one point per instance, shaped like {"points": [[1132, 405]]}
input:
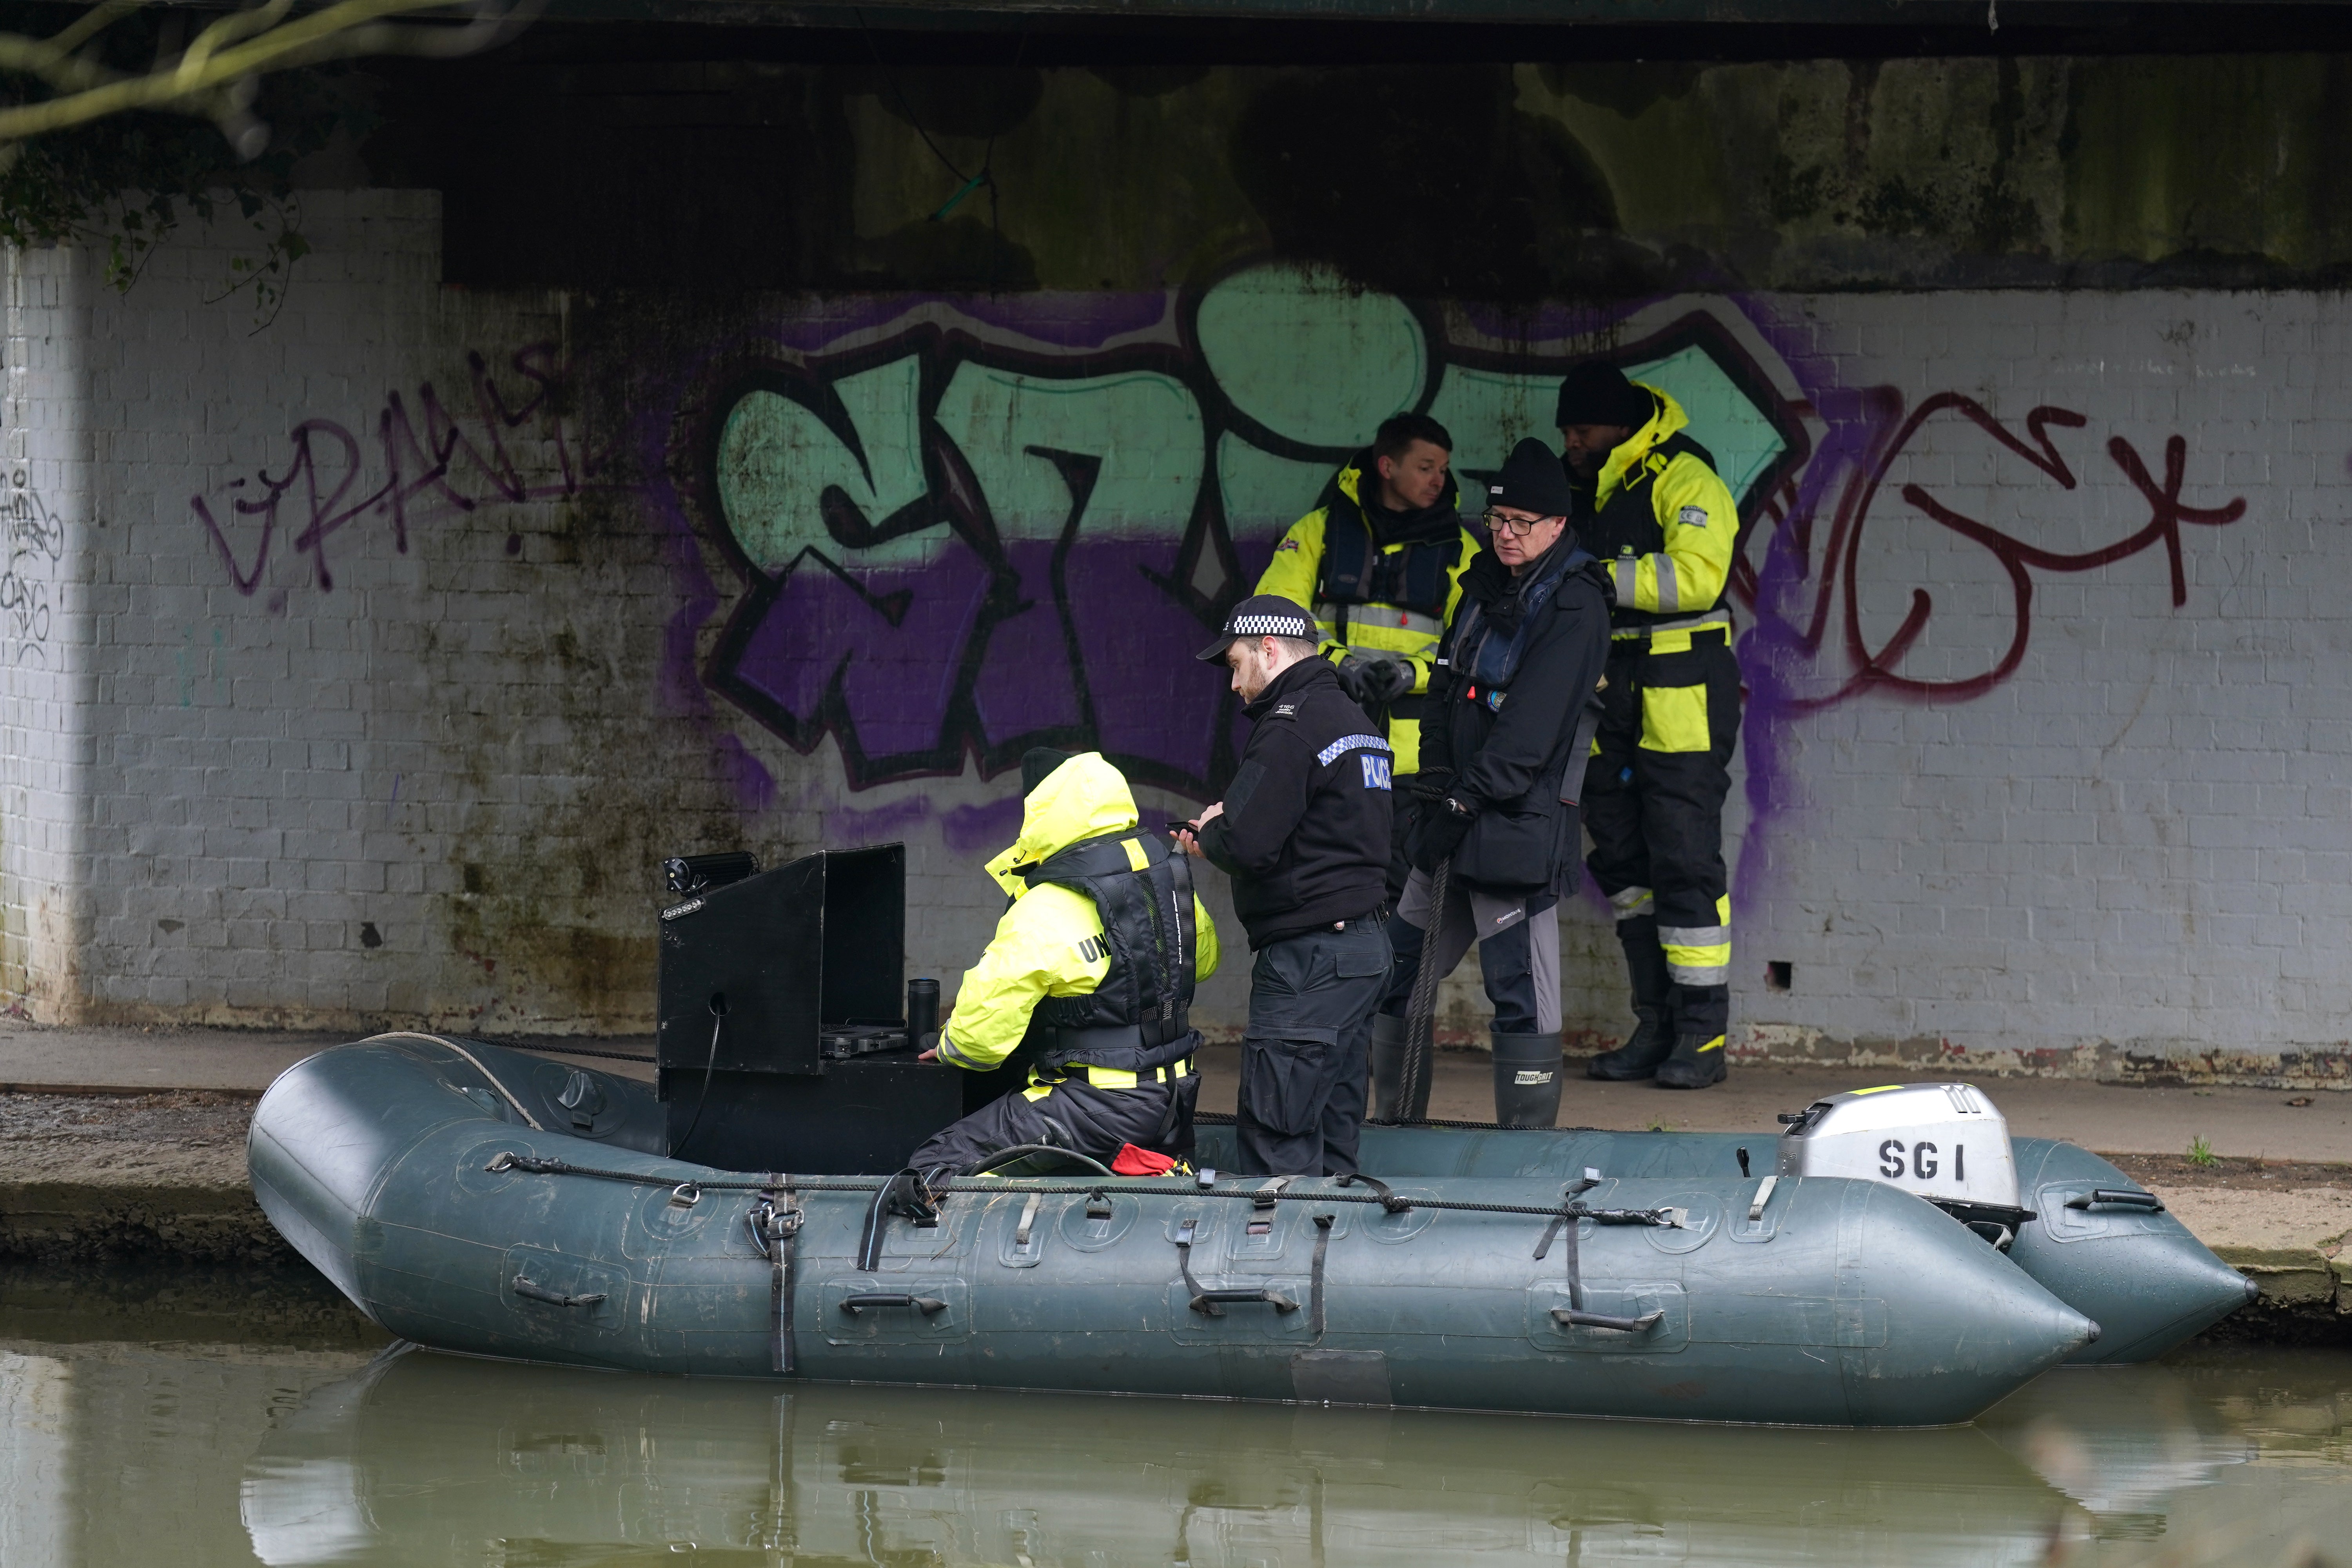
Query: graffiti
{"points": [[431, 468], [37, 543], [1840, 581], [956, 539]]}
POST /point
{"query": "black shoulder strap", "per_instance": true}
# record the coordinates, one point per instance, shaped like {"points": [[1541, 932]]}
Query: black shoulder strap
{"points": [[1347, 559], [1680, 442]]}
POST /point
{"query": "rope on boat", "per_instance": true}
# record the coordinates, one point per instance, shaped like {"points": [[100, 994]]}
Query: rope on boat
{"points": [[539, 1165]]}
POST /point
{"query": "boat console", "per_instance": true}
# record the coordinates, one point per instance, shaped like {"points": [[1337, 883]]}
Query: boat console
{"points": [[784, 1042]]}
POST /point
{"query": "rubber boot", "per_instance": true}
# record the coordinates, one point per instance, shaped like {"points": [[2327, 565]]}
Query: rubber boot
{"points": [[1651, 1043], [1527, 1080], [1698, 1062], [1387, 1065], [1652, 1039]]}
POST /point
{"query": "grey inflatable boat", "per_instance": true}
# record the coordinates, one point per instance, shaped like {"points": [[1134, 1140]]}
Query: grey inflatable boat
{"points": [[488, 1202]]}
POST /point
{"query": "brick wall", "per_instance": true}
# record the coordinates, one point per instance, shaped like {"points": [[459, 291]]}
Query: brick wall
{"points": [[387, 648]]}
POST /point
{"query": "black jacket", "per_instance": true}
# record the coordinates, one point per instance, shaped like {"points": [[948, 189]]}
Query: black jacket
{"points": [[1305, 832], [1509, 745]]}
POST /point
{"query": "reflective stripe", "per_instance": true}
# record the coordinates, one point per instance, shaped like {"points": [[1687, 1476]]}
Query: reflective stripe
{"points": [[1630, 902], [1137, 860], [1040, 1085], [1345, 743], [1714, 1044], [1718, 617], [1695, 936], [1620, 575], [1670, 598], [1670, 642], [1692, 975], [1390, 617], [1699, 955]]}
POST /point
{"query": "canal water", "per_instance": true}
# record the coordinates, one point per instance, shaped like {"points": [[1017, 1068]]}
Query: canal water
{"points": [[218, 1422]]}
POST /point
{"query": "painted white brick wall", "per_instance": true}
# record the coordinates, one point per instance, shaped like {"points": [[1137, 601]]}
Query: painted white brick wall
{"points": [[337, 781]]}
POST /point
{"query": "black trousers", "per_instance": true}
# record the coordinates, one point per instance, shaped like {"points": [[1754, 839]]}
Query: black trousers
{"points": [[1653, 794], [1306, 1058], [1073, 1115]]}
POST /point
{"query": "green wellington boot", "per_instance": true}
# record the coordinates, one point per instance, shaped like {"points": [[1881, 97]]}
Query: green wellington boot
{"points": [[1639, 1056], [1698, 1062]]}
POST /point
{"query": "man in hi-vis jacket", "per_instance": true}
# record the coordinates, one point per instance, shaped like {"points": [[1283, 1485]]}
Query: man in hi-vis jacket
{"points": [[1090, 974], [1656, 513]]}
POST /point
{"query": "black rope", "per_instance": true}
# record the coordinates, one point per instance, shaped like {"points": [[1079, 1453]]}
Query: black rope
{"points": [[1226, 1119], [581, 1051], [539, 1166], [718, 1022]]}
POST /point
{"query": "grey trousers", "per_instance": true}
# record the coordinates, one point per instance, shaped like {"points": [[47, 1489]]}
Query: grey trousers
{"points": [[1518, 951], [1306, 1058]]}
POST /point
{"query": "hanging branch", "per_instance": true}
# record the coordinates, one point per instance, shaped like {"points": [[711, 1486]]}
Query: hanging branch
{"points": [[217, 75]]}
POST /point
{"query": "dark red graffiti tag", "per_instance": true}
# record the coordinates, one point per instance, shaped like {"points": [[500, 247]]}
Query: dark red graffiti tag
{"points": [[326, 466], [1876, 668]]}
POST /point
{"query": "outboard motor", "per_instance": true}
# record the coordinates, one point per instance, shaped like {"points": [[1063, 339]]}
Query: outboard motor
{"points": [[1944, 1142]]}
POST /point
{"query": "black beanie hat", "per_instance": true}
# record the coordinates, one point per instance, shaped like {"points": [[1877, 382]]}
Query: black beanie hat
{"points": [[1532, 480], [1597, 393], [1037, 762]]}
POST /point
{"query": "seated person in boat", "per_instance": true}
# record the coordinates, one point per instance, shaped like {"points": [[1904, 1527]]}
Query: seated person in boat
{"points": [[1089, 977]]}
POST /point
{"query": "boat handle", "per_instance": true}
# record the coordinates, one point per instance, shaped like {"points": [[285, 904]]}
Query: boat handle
{"points": [[927, 1305], [1567, 1318], [1204, 1302], [2119, 1198], [532, 1290]]}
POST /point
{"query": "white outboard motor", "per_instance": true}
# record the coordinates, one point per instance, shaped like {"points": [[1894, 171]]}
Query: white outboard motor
{"points": [[1943, 1140]]}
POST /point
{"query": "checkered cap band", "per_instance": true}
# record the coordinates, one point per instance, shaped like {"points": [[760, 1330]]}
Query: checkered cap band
{"points": [[1270, 626]]}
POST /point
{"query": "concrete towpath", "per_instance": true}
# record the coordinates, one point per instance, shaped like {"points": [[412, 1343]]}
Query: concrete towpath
{"points": [[2275, 1198]]}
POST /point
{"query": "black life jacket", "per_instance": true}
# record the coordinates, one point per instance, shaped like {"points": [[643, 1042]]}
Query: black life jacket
{"points": [[1136, 1019], [1357, 571], [1628, 524]]}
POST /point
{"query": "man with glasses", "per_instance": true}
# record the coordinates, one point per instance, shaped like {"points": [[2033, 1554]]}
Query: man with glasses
{"points": [[1654, 512], [1381, 560], [1502, 756]]}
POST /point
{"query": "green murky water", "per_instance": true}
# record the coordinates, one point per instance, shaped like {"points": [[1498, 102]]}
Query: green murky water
{"points": [[225, 1424]]}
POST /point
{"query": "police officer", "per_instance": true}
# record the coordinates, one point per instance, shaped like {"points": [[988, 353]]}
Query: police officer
{"points": [[1382, 562], [1502, 752], [1090, 974], [1304, 832], [1654, 510]]}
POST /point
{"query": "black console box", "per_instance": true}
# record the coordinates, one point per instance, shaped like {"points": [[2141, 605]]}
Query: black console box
{"points": [[779, 996]]}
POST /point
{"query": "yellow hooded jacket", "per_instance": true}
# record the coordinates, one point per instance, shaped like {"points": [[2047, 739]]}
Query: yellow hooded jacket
{"points": [[1388, 629], [1692, 507], [1049, 942]]}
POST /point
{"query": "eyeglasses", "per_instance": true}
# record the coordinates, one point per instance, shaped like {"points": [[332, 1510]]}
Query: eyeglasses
{"points": [[1516, 527]]}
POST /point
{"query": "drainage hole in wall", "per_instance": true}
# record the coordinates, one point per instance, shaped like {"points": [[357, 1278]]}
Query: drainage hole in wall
{"points": [[1776, 976]]}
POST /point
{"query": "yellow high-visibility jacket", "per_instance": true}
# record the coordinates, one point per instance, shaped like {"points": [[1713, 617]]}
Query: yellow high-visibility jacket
{"points": [[1669, 552], [1049, 943], [1391, 631]]}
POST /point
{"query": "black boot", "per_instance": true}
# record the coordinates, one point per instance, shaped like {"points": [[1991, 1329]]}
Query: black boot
{"points": [[1527, 1080], [1638, 1057], [1698, 1062]]}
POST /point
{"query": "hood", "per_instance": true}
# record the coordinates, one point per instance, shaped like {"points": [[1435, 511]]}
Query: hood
{"points": [[1358, 483], [1086, 797], [1665, 422]]}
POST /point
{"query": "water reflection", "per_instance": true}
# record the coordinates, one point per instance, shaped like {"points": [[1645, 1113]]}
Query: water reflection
{"points": [[429, 1458], [300, 1449]]}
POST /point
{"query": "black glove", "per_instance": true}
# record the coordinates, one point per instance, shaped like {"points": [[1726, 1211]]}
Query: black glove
{"points": [[1373, 683], [1442, 827], [1431, 784]]}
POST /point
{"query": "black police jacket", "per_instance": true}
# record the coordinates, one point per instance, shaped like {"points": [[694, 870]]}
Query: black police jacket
{"points": [[1305, 832], [1510, 744]]}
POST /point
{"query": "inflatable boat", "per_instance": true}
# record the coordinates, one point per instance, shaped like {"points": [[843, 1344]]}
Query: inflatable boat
{"points": [[2097, 1241], [488, 1202]]}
